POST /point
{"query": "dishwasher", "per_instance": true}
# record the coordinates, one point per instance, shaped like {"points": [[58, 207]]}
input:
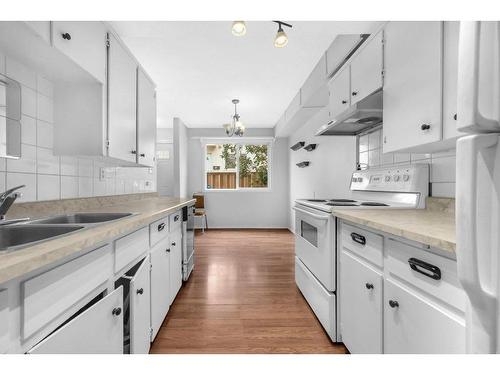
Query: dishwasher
{"points": [[187, 241]]}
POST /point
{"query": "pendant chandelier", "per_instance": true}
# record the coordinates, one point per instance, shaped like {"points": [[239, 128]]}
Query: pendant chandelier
{"points": [[236, 127]]}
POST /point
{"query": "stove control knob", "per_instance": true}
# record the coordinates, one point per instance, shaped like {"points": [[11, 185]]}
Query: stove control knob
{"points": [[387, 178], [397, 177], [406, 177]]}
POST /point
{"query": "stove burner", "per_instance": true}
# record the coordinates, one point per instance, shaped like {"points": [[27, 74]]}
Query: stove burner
{"points": [[343, 200], [338, 204], [316, 200], [373, 204]]}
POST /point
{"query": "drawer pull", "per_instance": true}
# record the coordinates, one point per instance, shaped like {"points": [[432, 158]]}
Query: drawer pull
{"points": [[393, 304], [358, 238], [369, 286], [425, 268], [168, 250], [161, 227], [176, 218], [140, 291], [173, 243], [66, 36], [117, 311]]}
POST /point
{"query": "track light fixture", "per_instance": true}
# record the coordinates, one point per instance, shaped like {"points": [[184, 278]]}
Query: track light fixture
{"points": [[281, 39]]}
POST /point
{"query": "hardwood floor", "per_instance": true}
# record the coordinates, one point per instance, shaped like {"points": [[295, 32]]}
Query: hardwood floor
{"points": [[242, 298]]}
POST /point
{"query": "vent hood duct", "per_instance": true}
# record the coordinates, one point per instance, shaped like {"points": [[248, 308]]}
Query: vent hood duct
{"points": [[359, 117]]}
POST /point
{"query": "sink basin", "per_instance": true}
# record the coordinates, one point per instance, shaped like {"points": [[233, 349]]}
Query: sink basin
{"points": [[13, 236], [81, 218]]}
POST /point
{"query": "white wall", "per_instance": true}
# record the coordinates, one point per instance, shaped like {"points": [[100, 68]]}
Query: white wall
{"points": [[442, 164], [181, 158], [165, 167], [237, 209], [48, 176], [329, 172]]}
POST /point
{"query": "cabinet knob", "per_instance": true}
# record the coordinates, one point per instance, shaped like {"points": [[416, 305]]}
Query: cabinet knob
{"points": [[354, 93], [142, 155], [425, 127], [173, 243], [133, 152], [161, 227], [455, 117], [393, 304], [344, 101], [66, 36], [117, 311], [140, 291], [168, 250], [369, 286]]}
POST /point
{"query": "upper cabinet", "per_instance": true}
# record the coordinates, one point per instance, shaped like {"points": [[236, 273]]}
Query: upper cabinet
{"points": [[311, 94], [84, 42], [366, 69], [122, 97], [146, 119], [412, 84]]}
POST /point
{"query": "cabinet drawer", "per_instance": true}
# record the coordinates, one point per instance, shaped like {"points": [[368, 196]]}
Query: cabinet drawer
{"points": [[398, 263], [97, 330], [321, 301], [131, 247], [175, 221], [418, 325], [360, 305], [48, 295], [158, 231], [4, 320], [363, 243]]}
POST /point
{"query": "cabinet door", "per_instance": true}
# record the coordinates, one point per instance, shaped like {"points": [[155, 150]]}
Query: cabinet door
{"points": [[140, 310], [99, 329], [4, 320], [175, 264], [360, 305], [160, 284], [146, 120], [122, 70], [366, 70], [84, 42], [340, 92], [412, 84], [414, 324]]}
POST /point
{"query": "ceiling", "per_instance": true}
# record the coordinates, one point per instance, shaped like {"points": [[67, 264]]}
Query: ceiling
{"points": [[199, 66]]}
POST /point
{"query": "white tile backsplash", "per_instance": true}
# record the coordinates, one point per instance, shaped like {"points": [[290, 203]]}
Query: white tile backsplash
{"points": [[49, 176]]}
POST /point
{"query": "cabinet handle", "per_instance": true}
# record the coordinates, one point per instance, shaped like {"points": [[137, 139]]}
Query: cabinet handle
{"points": [[133, 152], [161, 227], [140, 291], [168, 250], [66, 36], [176, 218], [354, 93], [393, 304], [173, 243], [425, 127], [358, 238], [455, 117], [344, 101], [369, 286], [142, 155], [117, 311], [425, 268]]}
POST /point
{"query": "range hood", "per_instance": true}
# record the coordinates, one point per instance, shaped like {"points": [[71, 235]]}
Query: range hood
{"points": [[359, 117]]}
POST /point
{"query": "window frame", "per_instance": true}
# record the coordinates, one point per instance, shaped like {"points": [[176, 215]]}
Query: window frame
{"points": [[269, 141]]}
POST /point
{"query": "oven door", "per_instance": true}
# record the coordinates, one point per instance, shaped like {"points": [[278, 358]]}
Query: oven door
{"points": [[315, 243]]}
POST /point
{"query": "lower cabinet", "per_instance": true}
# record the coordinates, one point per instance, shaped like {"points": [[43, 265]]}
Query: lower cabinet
{"points": [[160, 284], [415, 324], [98, 329], [360, 305], [175, 264]]}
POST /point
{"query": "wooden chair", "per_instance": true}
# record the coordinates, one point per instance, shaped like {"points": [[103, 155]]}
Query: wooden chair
{"points": [[199, 209]]}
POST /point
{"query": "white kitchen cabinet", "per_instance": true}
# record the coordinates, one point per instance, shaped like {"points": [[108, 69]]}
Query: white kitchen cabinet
{"points": [[416, 324], [175, 264], [42, 28], [450, 77], [311, 94], [361, 313], [98, 329], [122, 71], [160, 284], [340, 48], [340, 92], [146, 119], [140, 309], [131, 247], [4, 320], [412, 85], [366, 69], [84, 42]]}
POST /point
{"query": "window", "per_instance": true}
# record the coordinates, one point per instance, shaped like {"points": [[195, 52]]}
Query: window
{"points": [[233, 166]]}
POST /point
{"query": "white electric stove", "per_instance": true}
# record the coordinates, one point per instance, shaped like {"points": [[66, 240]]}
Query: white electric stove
{"points": [[316, 230]]}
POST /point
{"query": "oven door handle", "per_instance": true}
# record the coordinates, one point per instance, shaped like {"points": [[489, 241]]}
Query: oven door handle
{"points": [[316, 216]]}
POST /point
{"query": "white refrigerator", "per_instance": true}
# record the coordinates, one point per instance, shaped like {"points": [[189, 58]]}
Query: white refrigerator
{"points": [[478, 182]]}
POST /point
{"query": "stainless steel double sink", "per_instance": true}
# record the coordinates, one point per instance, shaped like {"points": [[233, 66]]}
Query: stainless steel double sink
{"points": [[18, 235]]}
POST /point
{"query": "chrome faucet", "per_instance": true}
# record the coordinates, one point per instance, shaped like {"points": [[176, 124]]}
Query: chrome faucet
{"points": [[6, 199]]}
